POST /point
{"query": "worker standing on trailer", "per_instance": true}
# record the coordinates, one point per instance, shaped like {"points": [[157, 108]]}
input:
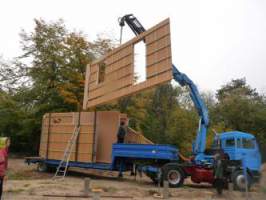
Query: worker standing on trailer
{"points": [[4, 144], [122, 131]]}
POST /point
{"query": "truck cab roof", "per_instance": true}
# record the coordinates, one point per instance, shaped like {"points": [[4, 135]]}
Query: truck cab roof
{"points": [[238, 134]]}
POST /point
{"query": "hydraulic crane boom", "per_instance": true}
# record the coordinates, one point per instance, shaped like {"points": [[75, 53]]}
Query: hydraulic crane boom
{"points": [[183, 80], [133, 23]]}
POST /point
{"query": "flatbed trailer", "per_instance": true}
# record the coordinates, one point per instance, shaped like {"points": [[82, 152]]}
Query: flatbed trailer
{"points": [[124, 157], [159, 162]]}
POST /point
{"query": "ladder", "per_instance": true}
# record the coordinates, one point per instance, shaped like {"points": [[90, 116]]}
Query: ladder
{"points": [[63, 165]]}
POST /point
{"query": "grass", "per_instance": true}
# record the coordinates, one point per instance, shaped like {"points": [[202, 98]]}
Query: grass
{"points": [[152, 192], [26, 185], [106, 189], [17, 190], [109, 189], [18, 175], [25, 174]]}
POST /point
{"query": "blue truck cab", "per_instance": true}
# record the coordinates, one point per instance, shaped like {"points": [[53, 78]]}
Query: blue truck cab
{"points": [[243, 147]]}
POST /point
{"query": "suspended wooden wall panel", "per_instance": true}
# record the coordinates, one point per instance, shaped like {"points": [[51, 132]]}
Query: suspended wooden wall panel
{"points": [[112, 76]]}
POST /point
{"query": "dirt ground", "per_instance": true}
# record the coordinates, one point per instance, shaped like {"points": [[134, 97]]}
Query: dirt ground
{"points": [[25, 183]]}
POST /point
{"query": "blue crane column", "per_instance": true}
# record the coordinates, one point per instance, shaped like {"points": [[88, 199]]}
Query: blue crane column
{"points": [[200, 142]]}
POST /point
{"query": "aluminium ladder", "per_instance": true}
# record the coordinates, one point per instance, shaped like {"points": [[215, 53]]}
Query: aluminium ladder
{"points": [[63, 165]]}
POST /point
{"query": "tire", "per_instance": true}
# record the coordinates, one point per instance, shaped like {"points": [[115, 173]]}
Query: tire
{"points": [[238, 179], [51, 169], [155, 180], [174, 175], [153, 177], [42, 167]]}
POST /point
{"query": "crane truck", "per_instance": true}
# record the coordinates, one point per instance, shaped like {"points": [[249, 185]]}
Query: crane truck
{"points": [[238, 147], [164, 162]]}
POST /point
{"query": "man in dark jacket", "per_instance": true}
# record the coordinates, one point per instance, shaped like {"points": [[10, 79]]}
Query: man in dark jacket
{"points": [[122, 131], [219, 179]]}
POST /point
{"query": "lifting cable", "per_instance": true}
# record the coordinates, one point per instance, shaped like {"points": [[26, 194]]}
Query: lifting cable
{"points": [[121, 29]]}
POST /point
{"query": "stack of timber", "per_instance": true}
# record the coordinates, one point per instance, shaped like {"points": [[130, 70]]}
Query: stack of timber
{"points": [[94, 143]]}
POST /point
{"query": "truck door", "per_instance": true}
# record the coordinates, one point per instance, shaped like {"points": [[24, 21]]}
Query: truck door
{"points": [[248, 150], [228, 145]]}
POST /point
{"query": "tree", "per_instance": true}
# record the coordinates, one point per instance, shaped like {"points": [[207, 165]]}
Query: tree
{"points": [[236, 87], [58, 65], [47, 77], [240, 107], [166, 121]]}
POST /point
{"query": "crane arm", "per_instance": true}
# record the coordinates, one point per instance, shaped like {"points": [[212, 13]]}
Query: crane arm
{"points": [[202, 110], [132, 22], [183, 80]]}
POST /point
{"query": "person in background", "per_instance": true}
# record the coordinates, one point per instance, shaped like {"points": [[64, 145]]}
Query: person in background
{"points": [[4, 144], [219, 178], [122, 131]]}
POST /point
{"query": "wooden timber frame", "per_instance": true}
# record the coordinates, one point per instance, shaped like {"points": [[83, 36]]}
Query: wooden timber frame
{"points": [[113, 76], [77, 141], [94, 150], [48, 136]]}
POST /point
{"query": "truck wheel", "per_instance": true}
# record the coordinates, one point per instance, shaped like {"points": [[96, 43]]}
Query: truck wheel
{"points": [[51, 169], [174, 175], [239, 180], [153, 177], [155, 180], [42, 167]]}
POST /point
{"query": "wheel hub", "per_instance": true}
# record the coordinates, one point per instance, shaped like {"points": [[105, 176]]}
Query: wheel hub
{"points": [[174, 177], [241, 181]]}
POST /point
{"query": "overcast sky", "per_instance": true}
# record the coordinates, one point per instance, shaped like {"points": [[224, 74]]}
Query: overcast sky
{"points": [[213, 41]]}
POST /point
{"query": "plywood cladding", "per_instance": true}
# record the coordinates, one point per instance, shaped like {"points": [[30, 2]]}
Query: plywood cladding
{"points": [[57, 129], [112, 76], [106, 130], [98, 132]]}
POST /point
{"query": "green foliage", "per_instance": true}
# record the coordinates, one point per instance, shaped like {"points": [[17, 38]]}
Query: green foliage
{"points": [[166, 122], [59, 60], [47, 77], [158, 114], [241, 108]]}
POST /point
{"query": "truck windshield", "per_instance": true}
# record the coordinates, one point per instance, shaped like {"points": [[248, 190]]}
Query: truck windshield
{"points": [[230, 142], [248, 143], [216, 144]]}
